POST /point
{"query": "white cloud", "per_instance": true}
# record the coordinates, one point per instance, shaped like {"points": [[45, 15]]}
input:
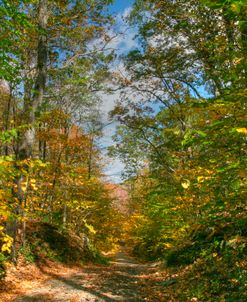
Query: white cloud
{"points": [[114, 167], [114, 171], [125, 34]]}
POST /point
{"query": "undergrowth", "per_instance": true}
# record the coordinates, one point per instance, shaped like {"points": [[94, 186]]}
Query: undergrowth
{"points": [[44, 241], [209, 266], [3, 260]]}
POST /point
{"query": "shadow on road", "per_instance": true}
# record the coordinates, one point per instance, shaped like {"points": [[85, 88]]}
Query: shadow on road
{"points": [[119, 282]]}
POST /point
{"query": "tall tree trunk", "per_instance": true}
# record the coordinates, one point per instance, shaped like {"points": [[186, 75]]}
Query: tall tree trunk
{"points": [[27, 139], [90, 158], [65, 214], [244, 45], [31, 106], [5, 99], [6, 122]]}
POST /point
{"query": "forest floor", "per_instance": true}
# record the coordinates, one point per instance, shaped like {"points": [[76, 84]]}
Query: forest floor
{"points": [[125, 279]]}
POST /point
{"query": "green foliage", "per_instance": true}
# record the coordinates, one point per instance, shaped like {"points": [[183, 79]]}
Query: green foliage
{"points": [[3, 260], [189, 199], [44, 241], [13, 24], [182, 139], [27, 252], [8, 136]]}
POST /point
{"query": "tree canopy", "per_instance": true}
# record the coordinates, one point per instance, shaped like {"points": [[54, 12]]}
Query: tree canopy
{"points": [[181, 132]]}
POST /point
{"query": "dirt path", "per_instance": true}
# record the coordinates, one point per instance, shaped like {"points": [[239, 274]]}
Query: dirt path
{"points": [[124, 280]]}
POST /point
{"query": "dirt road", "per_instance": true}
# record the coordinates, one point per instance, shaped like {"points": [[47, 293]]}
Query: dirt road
{"points": [[124, 280]]}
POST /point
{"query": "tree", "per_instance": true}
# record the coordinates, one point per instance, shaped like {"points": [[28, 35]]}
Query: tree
{"points": [[57, 62], [183, 106]]}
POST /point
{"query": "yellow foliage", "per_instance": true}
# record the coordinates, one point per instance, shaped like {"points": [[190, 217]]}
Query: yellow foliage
{"points": [[90, 228], [242, 130], [6, 240], [168, 245], [200, 178], [185, 184]]}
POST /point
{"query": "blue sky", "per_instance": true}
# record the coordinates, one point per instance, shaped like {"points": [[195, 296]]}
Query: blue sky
{"points": [[120, 5]]}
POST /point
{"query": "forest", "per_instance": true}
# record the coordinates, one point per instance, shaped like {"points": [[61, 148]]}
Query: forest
{"points": [[179, 129]]}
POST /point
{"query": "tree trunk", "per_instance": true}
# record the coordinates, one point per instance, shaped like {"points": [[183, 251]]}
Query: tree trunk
{"points": [[31, 106], [26, 143], [5, 99], [65, 213], [90, 158]]}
